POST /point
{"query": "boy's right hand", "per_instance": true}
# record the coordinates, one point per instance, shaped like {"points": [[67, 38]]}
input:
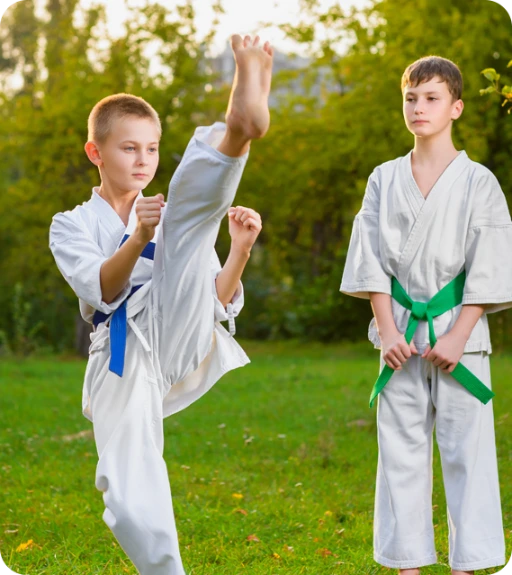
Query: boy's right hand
{"points": [[148, 211], [396, 351]]}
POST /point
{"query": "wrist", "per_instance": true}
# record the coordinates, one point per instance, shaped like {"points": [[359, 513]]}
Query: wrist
{"points": [[240, 251], [460, 331], [140, 238], [388, 332]]}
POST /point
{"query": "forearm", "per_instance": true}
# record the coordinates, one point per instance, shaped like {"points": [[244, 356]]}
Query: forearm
{"points": [[116, 271], [383, 313], [468, 318], [229, 277]]}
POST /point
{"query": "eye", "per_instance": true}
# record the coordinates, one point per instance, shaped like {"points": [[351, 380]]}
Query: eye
{"points": [[129, 148], [153, 149], [432, 98]]}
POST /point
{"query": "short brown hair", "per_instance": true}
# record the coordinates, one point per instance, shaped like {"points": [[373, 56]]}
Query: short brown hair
{"points": [[426, 68], [118, 106]]}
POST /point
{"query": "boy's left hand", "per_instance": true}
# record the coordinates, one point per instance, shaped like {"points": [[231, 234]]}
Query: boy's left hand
{"points": [[447, 351], [244, 226]]}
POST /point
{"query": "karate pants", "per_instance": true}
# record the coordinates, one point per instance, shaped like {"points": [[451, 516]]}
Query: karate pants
{"points": [[415, 399], [170, 336]]}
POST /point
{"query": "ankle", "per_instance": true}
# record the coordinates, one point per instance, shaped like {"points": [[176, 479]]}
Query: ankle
{"points": [[234, 144]]}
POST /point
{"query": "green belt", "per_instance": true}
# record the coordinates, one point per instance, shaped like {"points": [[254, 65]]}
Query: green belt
{"points": [[444, 300]]}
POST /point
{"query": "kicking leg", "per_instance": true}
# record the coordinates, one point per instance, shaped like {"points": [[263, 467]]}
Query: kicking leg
{"points": [[200, 194], [248, 117]]}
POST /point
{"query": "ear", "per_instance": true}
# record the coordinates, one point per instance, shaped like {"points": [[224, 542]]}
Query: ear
{"points": [[457, 109], [93, 153]]}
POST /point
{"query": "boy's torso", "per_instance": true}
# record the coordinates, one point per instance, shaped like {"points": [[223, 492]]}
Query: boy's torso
{"points": [[422, 240], [98, 219]]}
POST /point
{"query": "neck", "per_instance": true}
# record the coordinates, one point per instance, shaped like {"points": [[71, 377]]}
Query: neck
{"points": [[120, 200], [437, 149]]}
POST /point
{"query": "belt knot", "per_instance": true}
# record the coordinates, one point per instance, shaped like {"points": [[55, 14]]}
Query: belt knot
{"points": [[419, 310]]}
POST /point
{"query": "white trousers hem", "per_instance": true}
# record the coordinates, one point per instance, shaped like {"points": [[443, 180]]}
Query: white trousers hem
{"points": [[484, 564], [405, 564]]}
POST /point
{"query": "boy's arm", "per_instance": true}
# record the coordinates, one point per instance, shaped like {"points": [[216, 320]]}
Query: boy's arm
{"points": [[244, 227], [395, 349], [116, 271], [228, 280], [450, 346], [364, 271]]}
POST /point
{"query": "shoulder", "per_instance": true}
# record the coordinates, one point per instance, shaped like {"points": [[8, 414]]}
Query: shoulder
{"points": [[480, 175], [382, 176], [387, 168], [489, 204], [71, 222]]}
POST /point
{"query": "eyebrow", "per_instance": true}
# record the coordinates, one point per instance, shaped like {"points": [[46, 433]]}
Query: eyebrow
{"points": [[134, 142], [413, 93]]}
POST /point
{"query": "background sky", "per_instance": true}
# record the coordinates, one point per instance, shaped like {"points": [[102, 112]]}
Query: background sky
{"points": [[241, 16]]}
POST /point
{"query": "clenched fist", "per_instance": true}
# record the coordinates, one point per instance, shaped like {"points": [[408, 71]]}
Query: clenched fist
{"points": [[244, 227], [148, 211]]}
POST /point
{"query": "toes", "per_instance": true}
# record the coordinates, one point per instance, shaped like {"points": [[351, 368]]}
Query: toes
{"points": [[268, 48], [236, 41], [247, 40], [256, 41]]}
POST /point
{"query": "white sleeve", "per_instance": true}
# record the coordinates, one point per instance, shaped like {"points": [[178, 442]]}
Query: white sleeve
{"points": [[489, 250], [79, 259], [233, 308], [363, 272]]}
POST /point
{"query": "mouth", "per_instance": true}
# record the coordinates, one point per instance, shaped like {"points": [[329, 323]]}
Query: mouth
{"points": [[420, 122], [140, 175]]}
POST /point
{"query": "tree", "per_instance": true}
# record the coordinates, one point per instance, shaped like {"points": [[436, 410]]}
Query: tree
{"points": [[494, 79]]}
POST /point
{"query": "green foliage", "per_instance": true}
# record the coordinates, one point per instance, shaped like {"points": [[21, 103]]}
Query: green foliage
{"points": [[341, 118], [21, 340], [494, 78]]}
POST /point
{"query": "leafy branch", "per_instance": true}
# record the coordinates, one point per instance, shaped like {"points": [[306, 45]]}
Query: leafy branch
{"points": [[494, 78]]}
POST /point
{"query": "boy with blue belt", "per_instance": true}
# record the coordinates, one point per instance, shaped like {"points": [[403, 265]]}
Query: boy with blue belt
{"points": [[147, 276]]}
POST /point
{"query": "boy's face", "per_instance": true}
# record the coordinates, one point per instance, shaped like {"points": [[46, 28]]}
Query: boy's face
{"points": [[129, 155], [429, 108]]}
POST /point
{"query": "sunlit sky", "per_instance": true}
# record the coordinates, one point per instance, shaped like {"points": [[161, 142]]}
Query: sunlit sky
{"points": [[241, 16]]}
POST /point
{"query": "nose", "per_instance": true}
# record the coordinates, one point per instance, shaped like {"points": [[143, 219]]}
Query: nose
{"points": [[418, 108], [142, 160]]}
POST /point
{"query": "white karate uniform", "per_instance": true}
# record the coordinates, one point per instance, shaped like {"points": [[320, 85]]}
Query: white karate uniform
{"points": [[176, 349], [463, 224]]}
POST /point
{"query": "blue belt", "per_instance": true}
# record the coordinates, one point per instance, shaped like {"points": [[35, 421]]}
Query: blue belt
{"points": [[118, 321]]}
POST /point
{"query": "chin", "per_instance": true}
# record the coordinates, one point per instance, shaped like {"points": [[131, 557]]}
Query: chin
{"points": [[422, 130]]}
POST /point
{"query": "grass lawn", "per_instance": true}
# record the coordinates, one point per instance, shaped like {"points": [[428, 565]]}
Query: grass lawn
{"points": [[273, 471]]}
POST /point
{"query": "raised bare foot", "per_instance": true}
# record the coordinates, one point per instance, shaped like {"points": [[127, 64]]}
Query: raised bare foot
{"points": [[248, 115]]}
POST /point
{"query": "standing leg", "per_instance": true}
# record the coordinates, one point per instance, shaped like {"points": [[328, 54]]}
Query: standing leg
{"points": [[131, 472], [465, 435], [403, 530], [200, 193]]}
